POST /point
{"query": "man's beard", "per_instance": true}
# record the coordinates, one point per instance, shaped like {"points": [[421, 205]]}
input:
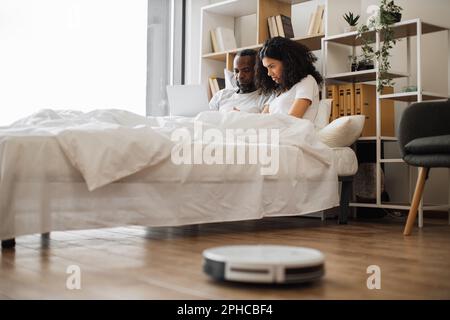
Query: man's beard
{"points": [[246, 88]]}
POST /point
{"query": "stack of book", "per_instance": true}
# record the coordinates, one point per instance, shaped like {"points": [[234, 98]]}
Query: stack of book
{"points": [[316, 21], [216, 84], [223, 39], [280, 26]]}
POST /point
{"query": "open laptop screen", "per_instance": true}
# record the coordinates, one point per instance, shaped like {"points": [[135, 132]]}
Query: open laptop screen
{"points": [[187, 100]]}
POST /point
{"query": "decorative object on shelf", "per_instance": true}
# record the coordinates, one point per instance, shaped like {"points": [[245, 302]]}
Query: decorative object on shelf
{"points": [[365, 64], [409, 89], [351, 20], [358, 63], [380, 21], [353, 63], [373, 12], [390, 12]]}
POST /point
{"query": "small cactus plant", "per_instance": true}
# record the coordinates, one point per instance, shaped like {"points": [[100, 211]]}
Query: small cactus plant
{"points": [[351, 19]]}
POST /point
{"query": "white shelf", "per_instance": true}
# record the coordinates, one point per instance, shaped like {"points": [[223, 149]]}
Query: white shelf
{"points": [[219, 56], [373, 138], [384, 206], [362, 76], [312, 42], [398, 206], [233, 8], [413, 96], [401, 29]]}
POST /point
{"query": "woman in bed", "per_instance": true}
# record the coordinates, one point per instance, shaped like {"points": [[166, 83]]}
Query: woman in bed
{"points": [[286, 70]]}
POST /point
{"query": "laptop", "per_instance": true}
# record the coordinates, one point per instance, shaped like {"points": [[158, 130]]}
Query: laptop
{"points": [[187, 100]]}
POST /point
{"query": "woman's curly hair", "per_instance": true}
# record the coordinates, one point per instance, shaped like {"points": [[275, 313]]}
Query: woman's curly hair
{"points": [[297, 59]]}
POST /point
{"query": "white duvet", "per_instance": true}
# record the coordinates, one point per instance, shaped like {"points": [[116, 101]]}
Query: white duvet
{"points": [[63, 170], [108, 145]]}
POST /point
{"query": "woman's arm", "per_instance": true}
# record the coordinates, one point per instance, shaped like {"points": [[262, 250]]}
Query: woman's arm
{"points": [[299, 107]]}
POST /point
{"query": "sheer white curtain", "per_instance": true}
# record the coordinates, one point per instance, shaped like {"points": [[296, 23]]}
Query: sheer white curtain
{"points": [[72, 54], [164, 51], [159, 55]]}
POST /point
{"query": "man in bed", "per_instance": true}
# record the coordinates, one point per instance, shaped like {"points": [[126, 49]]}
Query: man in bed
{"points": [[245, 97]]}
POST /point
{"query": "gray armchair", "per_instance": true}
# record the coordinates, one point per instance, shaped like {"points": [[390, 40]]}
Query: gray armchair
{"points": [[424, 138]]}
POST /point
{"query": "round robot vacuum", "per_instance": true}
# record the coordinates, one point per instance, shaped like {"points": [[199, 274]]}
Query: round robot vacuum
{"points": [[264, 264]]}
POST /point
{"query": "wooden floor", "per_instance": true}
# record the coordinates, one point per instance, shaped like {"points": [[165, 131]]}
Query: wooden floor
{"points": [[166, 263]]}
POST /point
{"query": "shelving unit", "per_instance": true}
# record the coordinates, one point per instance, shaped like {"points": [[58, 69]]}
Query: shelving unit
{"points": [[256, 13], [404, 29]]}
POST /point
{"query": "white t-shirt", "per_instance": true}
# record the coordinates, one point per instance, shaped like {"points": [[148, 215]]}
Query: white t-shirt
{"points": [[227, 99], [307, 88]]}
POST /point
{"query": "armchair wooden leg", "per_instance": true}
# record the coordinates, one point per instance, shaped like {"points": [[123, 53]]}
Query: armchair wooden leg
{"points": [[423, 174]]}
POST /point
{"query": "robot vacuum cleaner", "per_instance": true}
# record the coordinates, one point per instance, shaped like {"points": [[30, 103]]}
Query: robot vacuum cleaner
{"points": [[264, 264]]}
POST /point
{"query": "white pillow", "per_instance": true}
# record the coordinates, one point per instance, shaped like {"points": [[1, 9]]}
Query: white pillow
{"points": [[323, 114], [230, 80], [343, 131]]}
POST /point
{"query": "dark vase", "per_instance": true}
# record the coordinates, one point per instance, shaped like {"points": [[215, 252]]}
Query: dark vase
{"points": [[397, 17], [389, 17], [365, 65]]}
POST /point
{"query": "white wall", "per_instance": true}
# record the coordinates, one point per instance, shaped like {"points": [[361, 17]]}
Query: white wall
{"points": [[80, 54]]}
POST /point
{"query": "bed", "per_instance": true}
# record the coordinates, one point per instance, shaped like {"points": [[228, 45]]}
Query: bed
{"points": [[52, 181]]}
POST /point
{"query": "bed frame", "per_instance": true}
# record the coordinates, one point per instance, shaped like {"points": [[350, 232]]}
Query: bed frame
{"points": [[344, 209]]}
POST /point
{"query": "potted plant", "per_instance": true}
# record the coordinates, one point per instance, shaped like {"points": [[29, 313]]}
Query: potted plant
{"points": [[351, 20], [388, 14]]}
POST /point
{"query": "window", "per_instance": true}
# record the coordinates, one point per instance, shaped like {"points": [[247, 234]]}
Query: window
{"points": [[72, 54]]}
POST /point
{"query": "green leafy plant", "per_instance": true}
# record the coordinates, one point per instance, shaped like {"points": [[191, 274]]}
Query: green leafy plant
{"points": [[388, 14], [351, 19]]}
